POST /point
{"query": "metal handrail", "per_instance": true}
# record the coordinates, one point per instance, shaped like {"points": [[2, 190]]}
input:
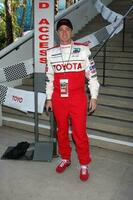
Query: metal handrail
{"points": [[15, 45], [113, 31], [105, 42], [123, 35]]}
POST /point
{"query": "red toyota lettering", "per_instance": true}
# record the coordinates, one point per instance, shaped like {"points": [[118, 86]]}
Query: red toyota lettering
{"points": [[58, 67], [79, 66], [69, 66]]}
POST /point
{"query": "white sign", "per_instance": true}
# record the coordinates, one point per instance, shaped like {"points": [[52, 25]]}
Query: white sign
{"points": [[44, 32], [24, 100]]}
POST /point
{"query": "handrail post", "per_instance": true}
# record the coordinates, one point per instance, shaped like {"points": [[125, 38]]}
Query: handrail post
{"points": [[104, 64], [0, 115], [53, 133], [123, 35]]}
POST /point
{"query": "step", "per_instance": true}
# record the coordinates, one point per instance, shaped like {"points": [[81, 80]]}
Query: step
{"points": [[26, 85], [110, 125], [94, 26], [119, 44], [120, 5], [43, 118], [114, 113], [114, 43], [116, 48], [113, 59], [110, 141], [117, 91], [112, 81], [109, 90], [16, 119], [26, 125], [116, 102], [119, 37], [122, 143], [115, 66], [10, 111], [102, 110], [27, 81], [103, 22], [113, 54], [116, 73]]}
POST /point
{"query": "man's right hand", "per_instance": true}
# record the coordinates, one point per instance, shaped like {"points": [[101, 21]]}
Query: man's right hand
{"points": [[48, 105]]}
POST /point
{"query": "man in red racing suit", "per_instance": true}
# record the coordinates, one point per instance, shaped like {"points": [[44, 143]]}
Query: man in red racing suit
{"points": [[67, 67]]}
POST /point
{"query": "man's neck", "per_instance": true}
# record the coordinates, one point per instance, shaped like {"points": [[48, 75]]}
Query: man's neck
{"points": [[66, 43]]}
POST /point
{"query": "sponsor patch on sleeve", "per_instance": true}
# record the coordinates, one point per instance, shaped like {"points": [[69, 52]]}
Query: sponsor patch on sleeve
{"points": [[93, 69], [92, 66]]}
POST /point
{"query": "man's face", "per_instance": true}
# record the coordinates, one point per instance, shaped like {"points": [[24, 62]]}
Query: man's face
{"points": [[64, 33]]}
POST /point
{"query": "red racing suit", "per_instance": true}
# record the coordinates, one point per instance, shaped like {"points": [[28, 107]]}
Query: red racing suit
{"points": [[71, 62]]}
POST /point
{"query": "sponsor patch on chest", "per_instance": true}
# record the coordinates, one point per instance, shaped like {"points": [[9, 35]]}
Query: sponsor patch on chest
{"points": [[67, 67], [76, 50]]}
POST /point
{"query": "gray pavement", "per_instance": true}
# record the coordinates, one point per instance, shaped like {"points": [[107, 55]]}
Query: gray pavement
{"points": [[111, 175]]}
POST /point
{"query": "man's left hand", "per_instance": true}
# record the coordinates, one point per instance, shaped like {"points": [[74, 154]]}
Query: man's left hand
{"points": [[92, 105]]}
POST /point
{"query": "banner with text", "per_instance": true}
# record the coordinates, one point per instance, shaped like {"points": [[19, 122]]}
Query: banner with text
{"points": [[44, 32], [21, 99]]}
